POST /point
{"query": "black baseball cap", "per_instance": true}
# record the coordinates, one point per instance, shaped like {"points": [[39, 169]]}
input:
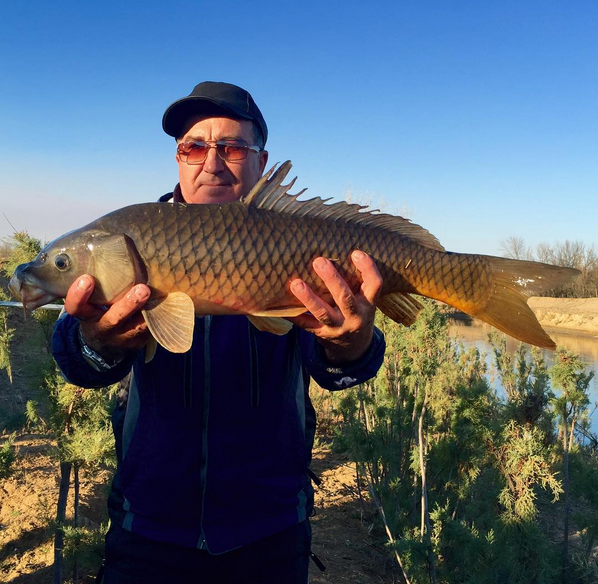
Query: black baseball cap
{"points": [[213, 98]]}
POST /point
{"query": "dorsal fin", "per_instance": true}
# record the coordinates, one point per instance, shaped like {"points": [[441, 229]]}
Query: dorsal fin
{"points": [[271, 195]]}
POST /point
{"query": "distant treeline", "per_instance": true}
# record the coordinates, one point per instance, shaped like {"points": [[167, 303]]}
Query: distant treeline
{"points": [[568, 254]]}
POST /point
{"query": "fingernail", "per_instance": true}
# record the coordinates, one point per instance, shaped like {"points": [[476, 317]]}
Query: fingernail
{"points": [[298, 286], [320, 263], [141, 293], [84, 284], [358, 255]]}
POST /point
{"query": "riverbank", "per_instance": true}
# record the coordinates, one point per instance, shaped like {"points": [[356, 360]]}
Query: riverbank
{"points": [[569, 315], [578, 315]]}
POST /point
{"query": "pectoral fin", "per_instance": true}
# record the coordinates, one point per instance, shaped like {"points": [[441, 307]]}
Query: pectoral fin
{"points": [[114, 267], [171, 321]]}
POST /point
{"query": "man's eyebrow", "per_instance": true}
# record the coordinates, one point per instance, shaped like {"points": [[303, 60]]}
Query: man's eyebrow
{"points": [[192, 138]]}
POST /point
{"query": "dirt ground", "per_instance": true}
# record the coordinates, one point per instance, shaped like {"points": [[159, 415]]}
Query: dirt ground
{"points": [[341, 530], [342, 539], [28, 506]]}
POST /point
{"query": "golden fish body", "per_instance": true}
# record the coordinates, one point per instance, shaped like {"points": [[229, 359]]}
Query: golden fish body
{"points": [[239, 258], [233, 258]]}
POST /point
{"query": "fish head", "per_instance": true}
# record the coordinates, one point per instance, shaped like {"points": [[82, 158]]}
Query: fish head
{"points": [[109, 258]]}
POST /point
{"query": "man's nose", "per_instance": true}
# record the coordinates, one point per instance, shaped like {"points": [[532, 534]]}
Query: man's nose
{"points": [[213, 162]]}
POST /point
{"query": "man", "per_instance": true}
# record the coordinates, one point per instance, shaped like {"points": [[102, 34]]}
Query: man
{"points": [[212, 483]]}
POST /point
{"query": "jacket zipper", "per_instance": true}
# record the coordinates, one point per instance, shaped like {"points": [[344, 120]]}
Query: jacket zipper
{"points": [[187, 379], [253, 368], [202, 543]]}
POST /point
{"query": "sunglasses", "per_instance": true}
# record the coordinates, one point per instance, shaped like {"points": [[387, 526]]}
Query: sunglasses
{"points": [[227, 150]]}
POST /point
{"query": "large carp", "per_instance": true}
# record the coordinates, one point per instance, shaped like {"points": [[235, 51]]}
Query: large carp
{"points": [[240, 257]]}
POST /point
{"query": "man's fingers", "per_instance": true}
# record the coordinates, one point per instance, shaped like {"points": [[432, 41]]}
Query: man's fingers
{"points": [[345, 330], [372, 280], [348, 304], [319, 309], [338, 287], [76, 302], [306, 322], [124, 308], [121, 327]]}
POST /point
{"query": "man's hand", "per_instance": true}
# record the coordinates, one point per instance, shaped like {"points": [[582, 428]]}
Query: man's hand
{"points": [[344, 330], [113, 331]]}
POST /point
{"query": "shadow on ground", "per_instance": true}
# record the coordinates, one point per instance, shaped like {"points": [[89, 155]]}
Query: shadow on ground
{"points": [[343, 535]]}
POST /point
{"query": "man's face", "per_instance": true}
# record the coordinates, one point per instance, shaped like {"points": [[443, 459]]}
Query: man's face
{"points": [[214, 180]]}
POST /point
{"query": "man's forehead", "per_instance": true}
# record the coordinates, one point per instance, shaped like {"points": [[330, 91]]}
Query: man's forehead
{"points": [[217, 127]]}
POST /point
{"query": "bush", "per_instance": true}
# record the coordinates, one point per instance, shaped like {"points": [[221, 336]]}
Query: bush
{"points": [[7, 457]]}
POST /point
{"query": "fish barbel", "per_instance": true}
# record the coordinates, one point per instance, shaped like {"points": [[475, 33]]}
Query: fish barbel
{"points": [[240, 257]]}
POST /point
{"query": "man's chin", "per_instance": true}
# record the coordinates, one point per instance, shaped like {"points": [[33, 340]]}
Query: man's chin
{"points": [[213, 194]]}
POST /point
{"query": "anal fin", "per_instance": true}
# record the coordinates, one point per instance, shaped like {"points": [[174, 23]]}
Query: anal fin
{"points": [[270, 324], [171, 321], [150, 349], [273, 320], [282, 312], [401, 308]]}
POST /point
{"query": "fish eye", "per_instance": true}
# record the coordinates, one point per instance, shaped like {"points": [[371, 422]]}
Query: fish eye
{"points": [[62, 262]]}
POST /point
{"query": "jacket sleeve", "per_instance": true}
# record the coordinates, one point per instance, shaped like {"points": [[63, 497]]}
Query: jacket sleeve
{"points": [[66, 350], [336, 377]]}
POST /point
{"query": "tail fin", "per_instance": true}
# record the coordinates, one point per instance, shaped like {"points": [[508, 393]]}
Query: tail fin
{"points": [[513, 282]]}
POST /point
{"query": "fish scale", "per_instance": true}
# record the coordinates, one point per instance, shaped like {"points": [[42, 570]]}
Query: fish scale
{"points": [[240, 258]]}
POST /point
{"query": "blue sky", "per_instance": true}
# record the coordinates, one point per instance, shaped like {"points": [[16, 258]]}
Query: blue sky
{"points": [[476, 119]]}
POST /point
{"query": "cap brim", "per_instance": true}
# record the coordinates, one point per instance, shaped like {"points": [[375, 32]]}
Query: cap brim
{"points": [[177, 115]]}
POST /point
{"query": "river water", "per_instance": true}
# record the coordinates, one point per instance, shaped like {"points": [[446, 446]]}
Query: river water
{"points": [[475, 334]]}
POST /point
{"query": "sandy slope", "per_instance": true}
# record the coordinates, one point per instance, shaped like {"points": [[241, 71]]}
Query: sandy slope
{"points": [[573, 314]]}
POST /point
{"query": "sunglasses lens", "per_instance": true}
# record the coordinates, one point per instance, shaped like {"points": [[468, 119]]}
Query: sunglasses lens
{"points": [[231, 153], [196, 153]]}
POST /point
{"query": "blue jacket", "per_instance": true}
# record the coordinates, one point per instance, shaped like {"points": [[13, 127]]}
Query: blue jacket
{"points": [[217, 443]]}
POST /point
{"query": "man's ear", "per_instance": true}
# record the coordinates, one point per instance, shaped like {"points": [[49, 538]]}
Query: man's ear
{"points": [[263, 160]]}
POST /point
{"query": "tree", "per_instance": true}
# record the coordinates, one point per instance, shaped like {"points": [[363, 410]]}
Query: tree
{"points": [[515, 248], [7, 457], [6, 336], [21, 248], [461, 477], [568, 374], [79, 419], [525, 381]]}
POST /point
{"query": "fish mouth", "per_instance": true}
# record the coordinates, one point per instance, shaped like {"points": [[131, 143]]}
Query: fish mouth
{"points": [[32, 297]]}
